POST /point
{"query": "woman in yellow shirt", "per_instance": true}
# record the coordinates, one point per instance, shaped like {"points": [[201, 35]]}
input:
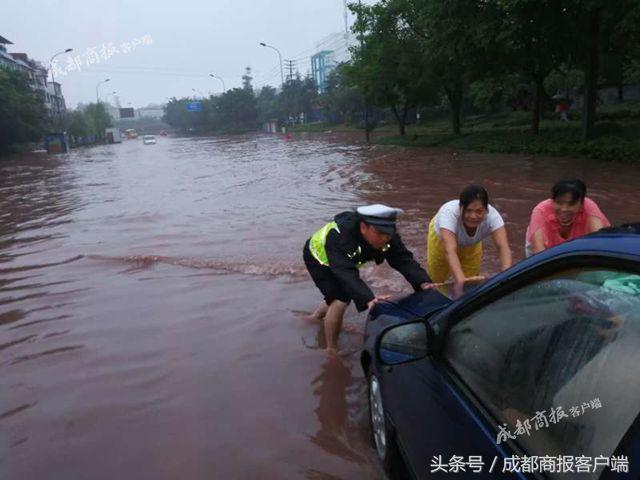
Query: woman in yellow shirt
{"points": [[454, 241]]}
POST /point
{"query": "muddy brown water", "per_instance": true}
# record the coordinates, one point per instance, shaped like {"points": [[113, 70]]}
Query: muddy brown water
{"points": [[150, 299]]}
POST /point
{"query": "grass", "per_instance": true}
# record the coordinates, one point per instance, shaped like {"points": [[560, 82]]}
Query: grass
{"points": [[322, 127], [617, 134]]}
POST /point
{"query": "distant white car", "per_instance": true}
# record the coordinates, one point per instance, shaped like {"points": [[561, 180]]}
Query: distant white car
{"points": [[149, 140]]}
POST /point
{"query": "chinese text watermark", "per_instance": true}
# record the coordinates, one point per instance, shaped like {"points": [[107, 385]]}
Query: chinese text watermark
{"points": [[529, 464], [542, 419], [96, 55]]}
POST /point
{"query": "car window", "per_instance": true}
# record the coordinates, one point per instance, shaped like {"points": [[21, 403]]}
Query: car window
{"points": [[556, 361]]}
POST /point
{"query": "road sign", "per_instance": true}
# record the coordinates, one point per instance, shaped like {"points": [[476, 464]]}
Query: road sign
{"points": [[194, 106]]}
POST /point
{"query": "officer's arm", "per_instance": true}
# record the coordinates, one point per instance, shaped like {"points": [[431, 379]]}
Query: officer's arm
{"points": [[401, 259], [347, 273]]}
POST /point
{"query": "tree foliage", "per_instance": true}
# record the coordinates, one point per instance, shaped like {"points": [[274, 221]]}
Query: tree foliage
{"points": [[458, 55], [98, 119], [389, 66], [483, 52], [23, 117], [342, 100]]}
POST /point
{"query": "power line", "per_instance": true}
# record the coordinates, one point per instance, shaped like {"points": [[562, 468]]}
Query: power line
{"points": [[289, 65], [143, 73], [333, 46], [151, 69], [327, 44], [274, 71]]}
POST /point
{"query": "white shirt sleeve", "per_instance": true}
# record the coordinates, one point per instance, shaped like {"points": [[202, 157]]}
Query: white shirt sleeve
{"points": [[494, 219], [448, 217]]}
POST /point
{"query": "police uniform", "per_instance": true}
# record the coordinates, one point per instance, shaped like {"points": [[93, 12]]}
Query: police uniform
{"points": [[334, 254]]}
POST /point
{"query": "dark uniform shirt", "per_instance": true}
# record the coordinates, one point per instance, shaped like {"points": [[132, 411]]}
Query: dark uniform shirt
{"points": [[348, 248]]}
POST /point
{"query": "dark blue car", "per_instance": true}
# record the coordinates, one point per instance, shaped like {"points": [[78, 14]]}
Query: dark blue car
{"points": [[534, 374]]}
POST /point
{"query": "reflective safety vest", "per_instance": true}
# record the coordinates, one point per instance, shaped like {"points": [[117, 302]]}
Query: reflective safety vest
{"points": [[318, 242]]}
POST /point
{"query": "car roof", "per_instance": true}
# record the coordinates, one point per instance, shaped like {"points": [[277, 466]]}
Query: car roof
{"points": [[623, 239]]}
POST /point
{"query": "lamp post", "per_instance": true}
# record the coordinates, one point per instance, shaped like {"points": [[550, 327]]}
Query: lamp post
{"points": [[51, 61], [224, 89], [98, 85], [279, 56]]}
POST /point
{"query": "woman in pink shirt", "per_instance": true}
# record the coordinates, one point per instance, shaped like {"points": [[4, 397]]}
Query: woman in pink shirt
{"points": [[568, 214]]}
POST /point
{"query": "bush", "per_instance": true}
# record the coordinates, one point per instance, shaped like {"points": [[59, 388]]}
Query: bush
{"points": [[607, 128], [616, 141], [517, 118]]}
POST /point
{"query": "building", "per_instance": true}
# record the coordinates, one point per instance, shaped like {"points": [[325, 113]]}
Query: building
{"points": [[153, 112], [55, 100], [8, 61], [332, 50], [50, 92], [322, 63]]}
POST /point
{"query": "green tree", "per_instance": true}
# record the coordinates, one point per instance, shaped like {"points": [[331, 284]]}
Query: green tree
{"points": [[597, 24], [177, 114], [267, 104], [389, 66], [298, 96], [98, 119], [341, 99], [237, 110], [534, 39], [620, 52], [458, 41], [23, 116], [77, 124]]}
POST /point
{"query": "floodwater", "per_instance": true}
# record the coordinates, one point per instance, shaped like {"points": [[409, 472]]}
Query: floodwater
{"points": [[150, 299]]}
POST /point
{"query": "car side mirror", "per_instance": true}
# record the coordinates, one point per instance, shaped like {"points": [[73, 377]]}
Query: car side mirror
{"points": [[404, 343]]}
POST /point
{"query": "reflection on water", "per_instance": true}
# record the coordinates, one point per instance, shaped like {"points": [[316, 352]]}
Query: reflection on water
{"points": [[332, 411], [148, 299]]}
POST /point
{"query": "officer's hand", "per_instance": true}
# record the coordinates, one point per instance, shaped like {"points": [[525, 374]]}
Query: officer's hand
{"points": [[377, 299], [427, 286]]}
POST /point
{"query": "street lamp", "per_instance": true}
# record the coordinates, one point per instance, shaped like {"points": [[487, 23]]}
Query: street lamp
{"points": [[279, 56], [51, 61], [100, 83], [224, 89]]}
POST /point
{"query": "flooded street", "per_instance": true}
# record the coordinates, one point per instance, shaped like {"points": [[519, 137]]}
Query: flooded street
{"points": [[150, 299]]}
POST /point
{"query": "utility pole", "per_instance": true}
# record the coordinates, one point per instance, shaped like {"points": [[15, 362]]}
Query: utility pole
{"points": [[290, 65], [366, 98], [346, 24]]}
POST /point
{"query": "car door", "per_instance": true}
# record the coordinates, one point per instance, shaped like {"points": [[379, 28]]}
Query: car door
{"points": [[545, 365], [545, 360], [438, 432]]}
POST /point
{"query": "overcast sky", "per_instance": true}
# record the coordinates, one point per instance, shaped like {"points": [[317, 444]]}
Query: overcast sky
{"points": [[190, 39]]}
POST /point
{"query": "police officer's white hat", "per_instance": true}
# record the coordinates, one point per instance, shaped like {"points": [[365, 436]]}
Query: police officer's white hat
{"points": [[382, 217]]}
